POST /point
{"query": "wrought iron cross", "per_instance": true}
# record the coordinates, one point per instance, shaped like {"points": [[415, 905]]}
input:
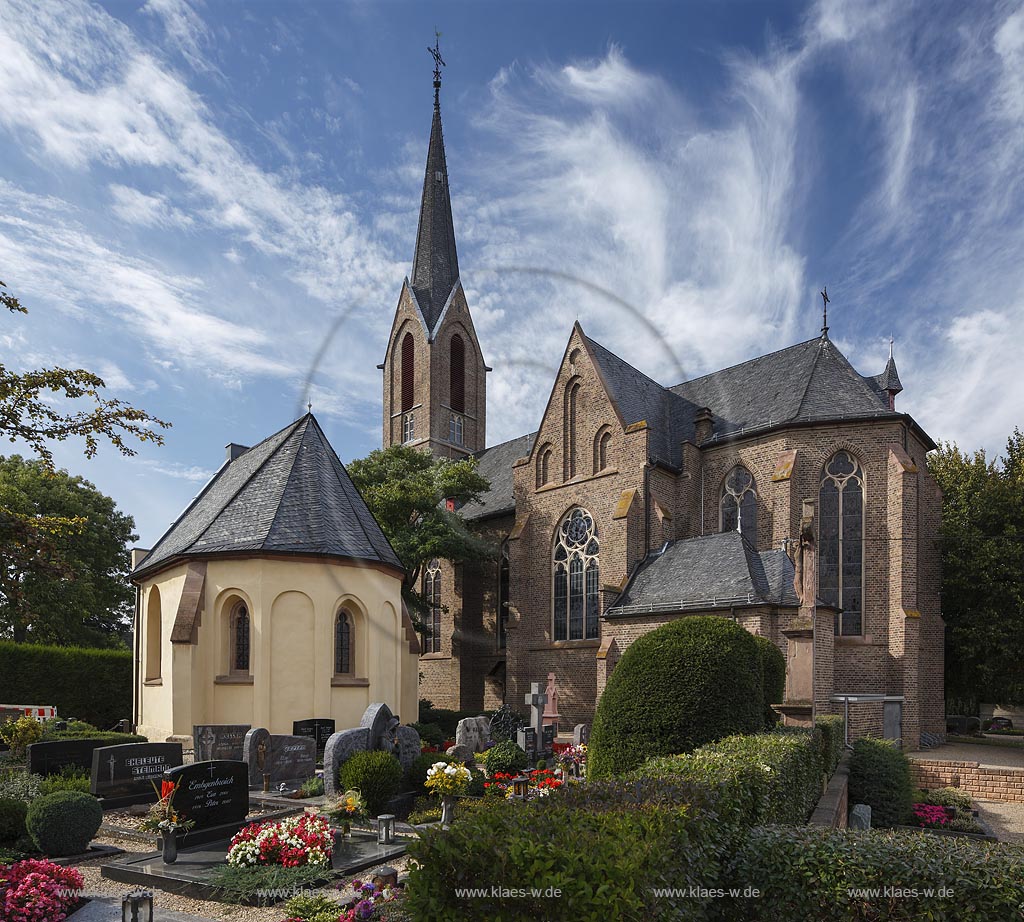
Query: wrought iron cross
{"points": [[824, 304], [435, 53]]}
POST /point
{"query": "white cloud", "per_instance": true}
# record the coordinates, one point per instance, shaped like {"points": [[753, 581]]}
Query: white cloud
{"points": [[136, 207]]}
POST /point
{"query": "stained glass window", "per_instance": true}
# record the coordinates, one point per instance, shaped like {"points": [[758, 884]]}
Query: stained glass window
{"points": [[577, 602], [240, 659], [343, 644], [739, 503], [432, 595], [841, 542]]}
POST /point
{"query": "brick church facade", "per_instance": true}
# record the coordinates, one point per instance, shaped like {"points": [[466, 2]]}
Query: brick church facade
{"points": [[634, 504]]}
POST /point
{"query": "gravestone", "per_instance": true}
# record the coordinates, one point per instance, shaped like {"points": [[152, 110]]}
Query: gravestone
{"points": [[527, 740], [340, 747], [860, 817], [319, 728], [383, 727], [125, 774], [49, 758], [256, 754], [505, 724], [551, 714], [547, 741], [409, 747], [219, 741], [536, 699], [461, 754], [580, 734], [474, 733], [211, 793], [292, 758]]}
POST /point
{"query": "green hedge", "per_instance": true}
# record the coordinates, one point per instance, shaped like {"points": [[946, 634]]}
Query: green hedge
{"points": [[773, 675], [605, 846], [92, 685], [809, 873], [682, 685], [831, 738], [772, 777], [880, 778], [376, 775]]}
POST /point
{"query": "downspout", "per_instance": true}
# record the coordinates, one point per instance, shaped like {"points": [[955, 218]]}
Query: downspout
{"points": [[135, 668], [647, 509]]}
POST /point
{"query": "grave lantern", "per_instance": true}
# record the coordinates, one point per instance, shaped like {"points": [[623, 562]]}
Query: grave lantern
{"points": [[386, 829], [520, 785], [137, 906], [385, 876]]}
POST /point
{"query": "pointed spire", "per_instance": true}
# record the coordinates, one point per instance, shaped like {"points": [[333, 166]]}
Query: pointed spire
{"points": [[890, 379], [435, 267]]}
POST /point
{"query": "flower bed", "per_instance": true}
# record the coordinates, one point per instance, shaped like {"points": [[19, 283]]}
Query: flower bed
{"points": [[38, 891], [542, 781], [372, 901], [292, 843]]}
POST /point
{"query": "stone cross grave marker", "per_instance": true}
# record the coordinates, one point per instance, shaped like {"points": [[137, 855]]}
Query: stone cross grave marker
{"points": [[536, 699]]}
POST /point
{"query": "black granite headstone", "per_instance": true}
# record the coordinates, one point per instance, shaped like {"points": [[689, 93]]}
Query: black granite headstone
{"points": [[125, 774], [548, 741], [51, 757], [292, 758], [320, 728], [527, 740], [219, 741], [211, 793]]}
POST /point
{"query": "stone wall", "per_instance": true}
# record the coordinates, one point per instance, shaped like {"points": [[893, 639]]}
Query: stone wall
{"points": [[984, 782]]}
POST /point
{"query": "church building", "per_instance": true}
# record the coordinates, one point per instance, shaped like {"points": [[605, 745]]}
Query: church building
{"points": [[788, 492]]}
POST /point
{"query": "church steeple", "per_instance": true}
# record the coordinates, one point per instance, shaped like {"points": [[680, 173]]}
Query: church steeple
{"points": [[435, 377], [435, 263]]}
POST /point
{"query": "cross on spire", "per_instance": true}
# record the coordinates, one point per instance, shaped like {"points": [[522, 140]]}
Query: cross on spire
{"points": [[824, 305], [435, 53]]}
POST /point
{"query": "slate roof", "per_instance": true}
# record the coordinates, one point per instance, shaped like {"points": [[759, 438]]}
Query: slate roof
{"points": [[712, 571], [495, 464], [435, 263], [290, 494]]}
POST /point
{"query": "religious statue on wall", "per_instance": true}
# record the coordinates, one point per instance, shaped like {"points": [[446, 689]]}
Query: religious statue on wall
{"points": [[805, 559]]}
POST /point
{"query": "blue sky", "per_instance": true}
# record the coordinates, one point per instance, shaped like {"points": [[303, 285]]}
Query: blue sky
{"points": [[194, 195]]}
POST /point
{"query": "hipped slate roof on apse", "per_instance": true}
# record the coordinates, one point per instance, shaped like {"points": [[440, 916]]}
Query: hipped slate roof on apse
{"points": [[289, 495]]}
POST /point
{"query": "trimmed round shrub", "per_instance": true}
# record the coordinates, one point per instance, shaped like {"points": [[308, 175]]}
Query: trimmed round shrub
{"points": [[880, 778], [375, 775], [63, 823], [773, 678], [506, 757], [416, 775], [686, 683], [12, 819]]}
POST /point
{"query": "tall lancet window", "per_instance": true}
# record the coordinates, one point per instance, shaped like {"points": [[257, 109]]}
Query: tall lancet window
{"points": [[432, 596], [841, 541], [343, 664], [738, 503], [240, 628], [577, 578], [457, 369], [408, 387]]}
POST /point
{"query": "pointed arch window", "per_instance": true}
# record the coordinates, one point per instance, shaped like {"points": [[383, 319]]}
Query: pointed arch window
{"points": [[457, 370], [577, 578], [344, 655], [240, 639], [504, 573], [602, 449], [544, 466], [432, 596], [571, 413], [738, 503], [154, 648], [408, 372], [841, 541]]}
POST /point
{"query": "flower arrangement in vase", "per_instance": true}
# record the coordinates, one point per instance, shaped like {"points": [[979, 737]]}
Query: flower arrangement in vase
{"points": [[347, 809], [165, 820], [447, 782]]}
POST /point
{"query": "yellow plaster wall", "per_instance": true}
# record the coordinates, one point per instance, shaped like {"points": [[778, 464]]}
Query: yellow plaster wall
{"points": [[292, 607]]}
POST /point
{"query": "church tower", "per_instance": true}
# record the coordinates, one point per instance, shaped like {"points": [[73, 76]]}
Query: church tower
{"points": [[434, 372]]}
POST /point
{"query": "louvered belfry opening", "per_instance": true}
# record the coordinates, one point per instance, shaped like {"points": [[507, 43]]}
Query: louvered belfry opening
{"points": [[408, 372], [458, 374]]}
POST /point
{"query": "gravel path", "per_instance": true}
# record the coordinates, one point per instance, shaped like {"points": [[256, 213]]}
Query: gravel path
{"points": [[207, 910], [966, 752], [1005, 820]]}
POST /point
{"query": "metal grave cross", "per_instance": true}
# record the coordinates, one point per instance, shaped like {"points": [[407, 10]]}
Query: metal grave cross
{"points": [[536, 699]]}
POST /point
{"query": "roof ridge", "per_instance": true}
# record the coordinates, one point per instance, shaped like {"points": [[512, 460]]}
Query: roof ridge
{"points": [[755, 358], [482, 451], [369, 539], [206, 489], [287, 480]]}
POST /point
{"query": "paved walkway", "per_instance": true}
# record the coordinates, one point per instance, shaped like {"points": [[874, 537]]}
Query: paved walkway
{"points": [[108, 909], [973, 752]]}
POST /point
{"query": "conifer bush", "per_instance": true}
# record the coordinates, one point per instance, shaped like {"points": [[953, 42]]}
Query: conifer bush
{"points": [[376, 775]]}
